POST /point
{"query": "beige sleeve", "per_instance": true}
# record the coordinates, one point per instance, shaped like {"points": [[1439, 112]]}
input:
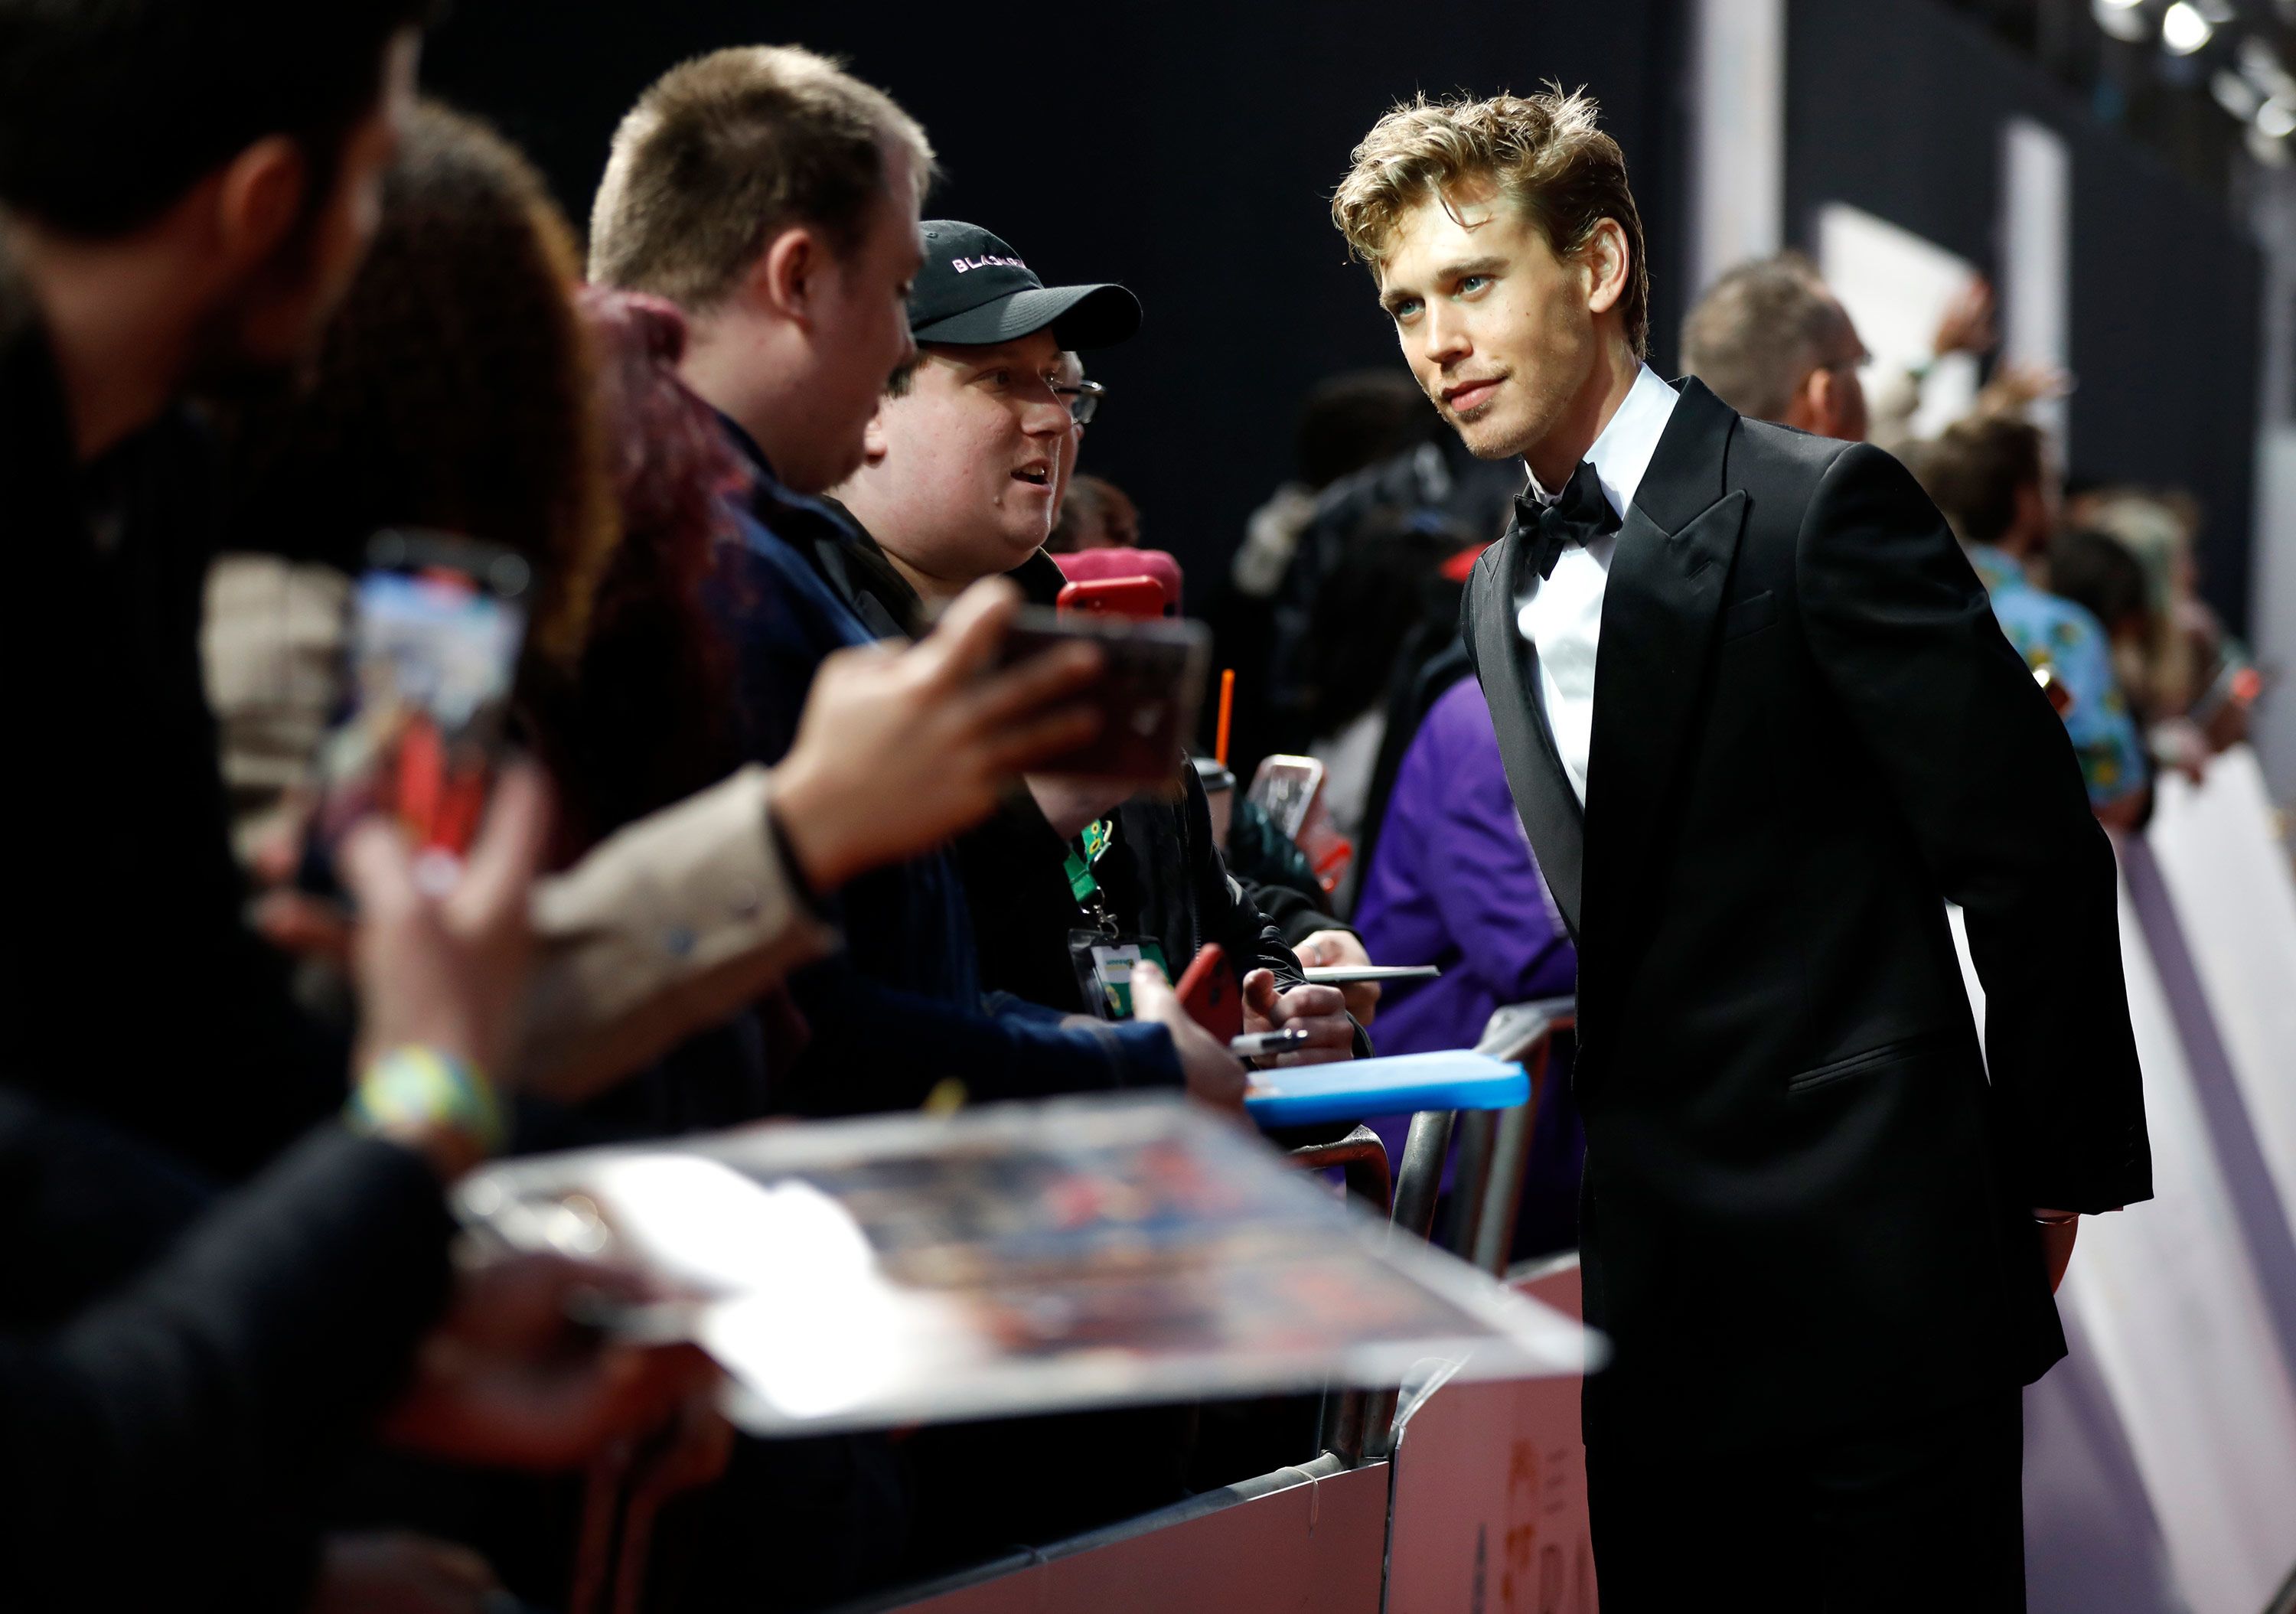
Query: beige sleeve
{"points": [[667, 927]]}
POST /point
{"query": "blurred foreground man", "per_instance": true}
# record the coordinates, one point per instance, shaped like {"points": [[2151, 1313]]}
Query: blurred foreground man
{"points": [[188, 188], [1760, 725]]}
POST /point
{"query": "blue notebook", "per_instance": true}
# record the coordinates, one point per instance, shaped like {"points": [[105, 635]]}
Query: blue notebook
{"points": [[1353, 1090]]}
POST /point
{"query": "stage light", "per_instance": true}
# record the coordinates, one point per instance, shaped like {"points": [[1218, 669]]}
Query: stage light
{"points": [[2234, 93], [2124, 20], [2183, 28], [2262, 68], [2276, 120]]}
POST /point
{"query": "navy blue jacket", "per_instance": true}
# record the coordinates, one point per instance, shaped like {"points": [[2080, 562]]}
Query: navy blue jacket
{"points": [[902, 1009]]}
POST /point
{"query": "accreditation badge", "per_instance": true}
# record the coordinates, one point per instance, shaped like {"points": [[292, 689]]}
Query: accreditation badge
{"points": [[1103, 968]]}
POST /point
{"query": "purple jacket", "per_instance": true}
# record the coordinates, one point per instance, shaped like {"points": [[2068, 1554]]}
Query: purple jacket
{"points": [[1454, 884]]}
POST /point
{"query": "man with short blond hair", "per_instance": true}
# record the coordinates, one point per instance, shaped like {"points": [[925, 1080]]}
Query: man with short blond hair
{"points": [[701, 170], [1760, 726], [774, 198]]}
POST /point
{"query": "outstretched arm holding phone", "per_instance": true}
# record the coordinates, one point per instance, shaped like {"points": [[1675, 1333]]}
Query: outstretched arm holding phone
{"points": [[677, 921], [195, 1410]]}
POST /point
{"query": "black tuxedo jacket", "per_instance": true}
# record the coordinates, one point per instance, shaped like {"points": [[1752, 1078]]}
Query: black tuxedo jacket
{"points": [[1806, 1211]]}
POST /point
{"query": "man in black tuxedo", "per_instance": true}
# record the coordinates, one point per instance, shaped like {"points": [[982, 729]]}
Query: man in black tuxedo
{"points": [[1760, 726]]}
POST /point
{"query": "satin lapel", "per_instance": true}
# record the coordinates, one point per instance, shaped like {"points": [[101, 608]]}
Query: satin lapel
{"points": [[1660, 610], [1509, 669]]}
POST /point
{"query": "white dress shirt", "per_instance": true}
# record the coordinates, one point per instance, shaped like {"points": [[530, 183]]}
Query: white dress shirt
{"points": [[1562, 615]]}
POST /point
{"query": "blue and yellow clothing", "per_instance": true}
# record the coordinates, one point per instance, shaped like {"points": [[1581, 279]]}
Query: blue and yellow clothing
{"points": [[2053, 632]]}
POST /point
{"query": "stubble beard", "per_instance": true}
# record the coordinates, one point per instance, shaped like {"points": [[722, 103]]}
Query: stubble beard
{"points": [[1490, 435]]}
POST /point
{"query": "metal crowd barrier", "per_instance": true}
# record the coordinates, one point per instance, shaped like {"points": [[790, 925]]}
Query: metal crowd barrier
{"points": [[1501, 1478], [1494, 1147]]}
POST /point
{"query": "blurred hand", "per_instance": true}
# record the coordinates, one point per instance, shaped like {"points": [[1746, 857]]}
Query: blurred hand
{"points": [[303, 926], [2177, 744], [2057, 1245], [1966, 326], [392, 1572], [1326, 949], [2015, 389], [2227, 727], [449, 973], [509, 1380], [1214, 1076], [899, 748], [1321, 1011], [295, 923]]}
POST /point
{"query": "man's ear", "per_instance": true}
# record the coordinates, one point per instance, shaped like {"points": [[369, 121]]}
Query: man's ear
{"points": [[786, 279], [876, 441], [1609, 265], [260, 198], [1825, 389], [1808, 407]]}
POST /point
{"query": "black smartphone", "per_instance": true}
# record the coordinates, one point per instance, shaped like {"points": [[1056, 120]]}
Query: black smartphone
{"points": [[1148, 692]]}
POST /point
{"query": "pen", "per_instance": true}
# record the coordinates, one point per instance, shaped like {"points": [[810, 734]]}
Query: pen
{"points": [[1259, 1044]]}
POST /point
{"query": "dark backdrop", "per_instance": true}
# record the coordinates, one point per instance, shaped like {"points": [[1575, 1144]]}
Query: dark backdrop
{"points": [[2166, 310], [1186, 149]]}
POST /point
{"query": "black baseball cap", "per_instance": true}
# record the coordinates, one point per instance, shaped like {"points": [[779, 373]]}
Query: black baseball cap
{"points": [[974, 292]]}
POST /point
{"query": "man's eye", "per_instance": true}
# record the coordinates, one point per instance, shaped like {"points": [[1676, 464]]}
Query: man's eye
{"points": [[998, 379], [1405, 310], [1474, 283]]}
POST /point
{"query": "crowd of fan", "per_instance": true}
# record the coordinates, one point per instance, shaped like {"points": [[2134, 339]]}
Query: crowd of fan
{"points": [[784, 474]]}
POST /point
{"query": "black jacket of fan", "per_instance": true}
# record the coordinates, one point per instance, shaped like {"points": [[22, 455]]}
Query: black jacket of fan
{"points": [[1806, 1209]]}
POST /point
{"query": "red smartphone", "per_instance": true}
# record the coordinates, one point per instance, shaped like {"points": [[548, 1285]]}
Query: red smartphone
{"points": [[1142, 598], [1211, 994]]}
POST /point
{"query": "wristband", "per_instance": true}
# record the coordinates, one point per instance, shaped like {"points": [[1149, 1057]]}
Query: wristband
{"points": [[421, 1086], [816, 903]]}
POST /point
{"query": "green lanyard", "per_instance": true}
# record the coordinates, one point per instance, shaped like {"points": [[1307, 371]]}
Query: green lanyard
{"points": [[1091, 847]]}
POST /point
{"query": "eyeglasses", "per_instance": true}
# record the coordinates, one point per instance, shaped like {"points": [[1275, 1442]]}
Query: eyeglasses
{"points": [[1083, 401]]}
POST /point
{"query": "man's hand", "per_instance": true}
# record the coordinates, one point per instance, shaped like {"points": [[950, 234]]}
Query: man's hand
{"points": [[898, 749], [509, 1380], [2059, 1229], [391, 1572], [1214, 1076], [1328, 949], [1321, 1011], [447, 972], [2015, 389], [1966, 326]]}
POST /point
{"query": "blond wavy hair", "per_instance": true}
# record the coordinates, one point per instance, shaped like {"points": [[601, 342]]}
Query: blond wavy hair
{"points": [[1545, 153]]}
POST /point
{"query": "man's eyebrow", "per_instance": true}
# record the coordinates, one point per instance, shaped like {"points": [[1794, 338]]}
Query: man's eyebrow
{"points": [[1444, 274], [1465, 266]]}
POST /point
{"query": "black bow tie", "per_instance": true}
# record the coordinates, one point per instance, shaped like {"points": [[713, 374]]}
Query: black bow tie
{"points": [[1581, 516]]}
